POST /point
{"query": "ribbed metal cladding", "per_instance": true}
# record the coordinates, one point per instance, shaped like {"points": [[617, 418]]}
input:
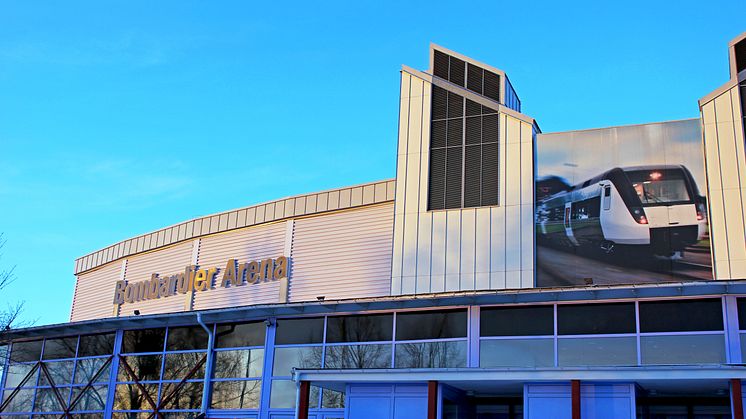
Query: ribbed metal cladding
{"points": [[475, 78], [473, 108], [473, 130], [440, 103], [472, 176], [438, 134], [455, 105], [454, 136], [490, 173], [492, 85], [436, 194]]}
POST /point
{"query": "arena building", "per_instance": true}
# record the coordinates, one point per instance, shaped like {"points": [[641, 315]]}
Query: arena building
{"points": [[504, 273]]}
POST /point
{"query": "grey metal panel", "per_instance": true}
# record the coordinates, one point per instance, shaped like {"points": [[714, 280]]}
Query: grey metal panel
{"points": [[182, 232], [498, 244], [424, 249], [482, 247], [269, 211], [161, 235], [232, 220], [241, 218], [344, 198], [409, 248], [438, 260], [380, 192], [368, 194], [279, 211], [300, 205], [205, 226], [333, 200], [512, 238], [289, 209], [322, 201], [356, 197], [453, 245], [214, 224], [311, 204], [250, 216], [94, 292], [260, 214], [390, 190]]}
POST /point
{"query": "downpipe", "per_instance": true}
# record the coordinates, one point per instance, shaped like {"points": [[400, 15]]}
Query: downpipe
{"points": [[208, 366]]}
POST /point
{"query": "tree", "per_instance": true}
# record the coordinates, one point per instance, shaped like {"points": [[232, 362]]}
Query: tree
{"points": [[10, 315]]}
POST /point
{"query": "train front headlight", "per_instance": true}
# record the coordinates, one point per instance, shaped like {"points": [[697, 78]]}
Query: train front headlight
{"points": [[639, 215]]}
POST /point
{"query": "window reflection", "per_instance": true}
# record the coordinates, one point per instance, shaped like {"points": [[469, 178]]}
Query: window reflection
{"points": [[178, 365], [61, 373], [93, 399], [86, 369], [21, 402], [431, 355], [240, 335], [129, 396], [431, 325], [145, 367], [92, 345], [46, 401], [186, 338], [236, 394], [147, 340], [17, 372], [516, 353], [286, 359], [60, 348], [188, 396], [365, 328], [358, 356], [299, 331], [238, 364], [26, 351]]}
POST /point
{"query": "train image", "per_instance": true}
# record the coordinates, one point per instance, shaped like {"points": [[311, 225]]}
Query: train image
{"points": [[657, 209]]}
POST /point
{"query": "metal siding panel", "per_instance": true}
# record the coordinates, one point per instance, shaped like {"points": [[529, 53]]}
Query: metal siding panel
{"points": [[253, 243], [279, 210], [345, 196], [527, 237], [512, 238], [300, 206], [409, 248], [414, 126], [167, 261], [379, 194], [368, 194], [424, 234], [94, 292], [726, 141], [438, 258], [453, 245], [232, 220], [181, 235], [502, 169], [513, 173], [342, 255], [401, 179], [251, 216], [482, 246], [412, 188], [333, 200], [161, 237], [289, 208], [260, 215], [424, 146], [397, 254], [356, 197], [403, 113], [527, 168], [390, 190], [735, 225], [311, 203], [322, 201], [468, 248], [497, 248]]}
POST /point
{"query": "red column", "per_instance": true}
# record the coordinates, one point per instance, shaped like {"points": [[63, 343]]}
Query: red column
{"points": [[432, 399], [305, 390], [575, 399], [736, 398]]}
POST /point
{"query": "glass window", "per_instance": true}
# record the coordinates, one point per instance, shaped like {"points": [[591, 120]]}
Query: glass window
{"points": [[358, 356], [299, 331], [61, 372], [365, 328], [516, 353], [86, 369], [179, 364], [129, 397], [26, 351], [286, 359], [596, 319], [597, 351], [659, 186], [450, 354], [282, 394], [3, 356], [147, 340], [431, 325], [236, 394], [742, 312], [17, 372], [683, 349], [681, 316], [516, 321], [60, 348], [145, 367], [21, 402], [188, 396], [242, 363], [186, 338], [331, 399], [46, 401], [93, 399], [239, 335], [92, 345]]}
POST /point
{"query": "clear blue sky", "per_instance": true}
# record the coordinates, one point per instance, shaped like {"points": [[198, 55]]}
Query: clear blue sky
{"points": [[121, 117]]}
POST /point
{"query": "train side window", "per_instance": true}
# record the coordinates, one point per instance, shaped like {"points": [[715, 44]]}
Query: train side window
{"points": [[607, 191]]}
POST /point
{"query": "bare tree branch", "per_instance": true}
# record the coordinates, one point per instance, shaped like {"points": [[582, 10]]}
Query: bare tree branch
{"points": [[10, 316]]}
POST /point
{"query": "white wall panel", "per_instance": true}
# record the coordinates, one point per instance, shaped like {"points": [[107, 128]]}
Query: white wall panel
{"points": [[342, 255]]}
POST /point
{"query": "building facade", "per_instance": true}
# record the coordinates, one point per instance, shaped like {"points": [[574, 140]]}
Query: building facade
{"points": [[504, 273]]}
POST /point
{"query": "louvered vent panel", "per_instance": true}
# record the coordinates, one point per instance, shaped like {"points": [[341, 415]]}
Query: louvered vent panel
{"points": [[455, 105], [437, 179], [453, 177], [473, 108], [474, 78], [489, 128], [491, 85], [441, 65], [486, 110], [440, 103], [457, 71], [490, 184], [472, 176], [473, 130], [438, 134], [455, 132]]}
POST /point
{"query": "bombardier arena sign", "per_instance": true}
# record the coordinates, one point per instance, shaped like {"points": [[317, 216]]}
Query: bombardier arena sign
{"points": [[194, 279]]}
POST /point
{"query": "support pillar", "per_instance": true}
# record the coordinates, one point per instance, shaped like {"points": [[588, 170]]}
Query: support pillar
{"points": [[575, 399], [305, 391], [432, 400], [736, 398]]}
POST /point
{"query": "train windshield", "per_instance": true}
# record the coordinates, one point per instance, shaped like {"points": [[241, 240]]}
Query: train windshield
{"points": [[659, 186]]}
